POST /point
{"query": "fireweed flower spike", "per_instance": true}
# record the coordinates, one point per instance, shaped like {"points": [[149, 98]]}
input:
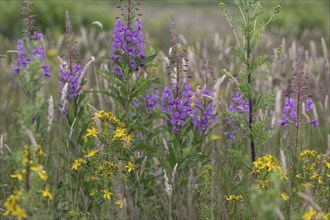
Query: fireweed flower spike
{"points": [[293, 102], [70, 70], [31, 48], [177, 99], [128, 40]]}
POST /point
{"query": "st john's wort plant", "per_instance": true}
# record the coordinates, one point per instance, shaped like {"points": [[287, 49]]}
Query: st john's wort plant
{"points": [[247, 41], [104, 164], [30, 190]]}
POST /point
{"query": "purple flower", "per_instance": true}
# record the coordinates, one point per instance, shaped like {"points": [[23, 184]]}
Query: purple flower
{"points": [[203, 111], [238, 105], [129, 41], [315, 122], [31, 50], [72, 79], [16, 69], [46, 69], [309, 104]]}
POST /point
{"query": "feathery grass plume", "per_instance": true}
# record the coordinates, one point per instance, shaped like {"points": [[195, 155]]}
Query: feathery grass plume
{"points": [[206, 73], [63, 99], [168, 186], [50, 114]]}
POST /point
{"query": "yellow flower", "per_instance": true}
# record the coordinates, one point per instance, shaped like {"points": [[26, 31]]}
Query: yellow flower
{"points": [[77, 163], [91, 132], [100, 114], [309, 214], [19, 212], [234, 198], [52, 52], [120, 203], [90, 153], [93, 193], [119, 133], [107, 194], [40, 153], [262, 183], [17, 175], [128, 138], [327, 164], [46, 193], [215, 137], [37, 167], [43, 175], [130, 166], [25, 159], [12, 207], [285, 196]]}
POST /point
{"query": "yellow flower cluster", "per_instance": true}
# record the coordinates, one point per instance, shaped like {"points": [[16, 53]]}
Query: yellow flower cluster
{"points": [[28, 162], [107, 169], [111, 128], [313, 214], [311, 162], [266, 163], [234, 198], [12, 207]]}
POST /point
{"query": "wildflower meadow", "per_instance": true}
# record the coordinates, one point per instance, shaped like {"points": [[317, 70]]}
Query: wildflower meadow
{"points": [[164, 110]]}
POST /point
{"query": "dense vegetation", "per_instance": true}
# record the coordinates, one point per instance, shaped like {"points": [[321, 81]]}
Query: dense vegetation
{"points": [[101, 119]]}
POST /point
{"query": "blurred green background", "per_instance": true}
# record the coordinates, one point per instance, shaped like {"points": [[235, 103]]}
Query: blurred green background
{"points": [[298, 20]]}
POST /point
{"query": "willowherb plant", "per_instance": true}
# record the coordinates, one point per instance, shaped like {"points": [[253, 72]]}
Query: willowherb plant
{"points": [[177, 98], [70, 71], [298, 94]]}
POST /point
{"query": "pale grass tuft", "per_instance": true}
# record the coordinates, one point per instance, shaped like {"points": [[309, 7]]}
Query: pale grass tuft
{"points": [[165, 145], [31, 137], [168, 187], [283, 161], [50, 115], [143, 166], [174, 173], [64, 93], [1, 145]]}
